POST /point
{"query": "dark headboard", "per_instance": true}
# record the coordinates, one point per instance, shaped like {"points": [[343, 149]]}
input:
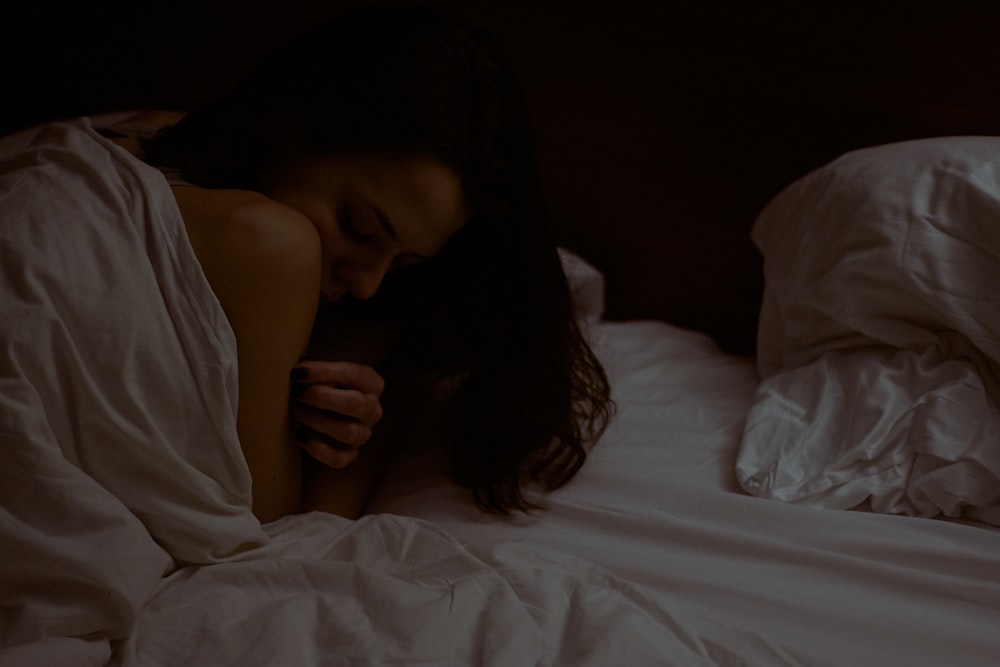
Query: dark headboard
{"points": [[663, 128]]}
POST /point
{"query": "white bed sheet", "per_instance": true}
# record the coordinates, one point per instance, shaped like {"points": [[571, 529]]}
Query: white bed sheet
{"points": [[126, 535], [658, 505]]}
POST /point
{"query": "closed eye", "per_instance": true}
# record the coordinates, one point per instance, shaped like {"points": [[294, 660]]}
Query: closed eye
{"points": [[352, 228]]}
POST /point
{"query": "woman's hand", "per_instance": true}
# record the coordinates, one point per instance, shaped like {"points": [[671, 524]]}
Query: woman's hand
{"points": [[335, 404]]}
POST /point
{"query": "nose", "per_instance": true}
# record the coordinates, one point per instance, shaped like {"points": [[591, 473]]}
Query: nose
{"points": [[366, 284], [363, 282]]}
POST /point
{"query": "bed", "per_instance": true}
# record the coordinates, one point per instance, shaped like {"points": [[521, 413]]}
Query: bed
{"points": [[782, 230]]}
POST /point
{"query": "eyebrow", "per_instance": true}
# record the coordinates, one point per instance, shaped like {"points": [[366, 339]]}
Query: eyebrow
{"points": [[386, 224], [383, 220]]}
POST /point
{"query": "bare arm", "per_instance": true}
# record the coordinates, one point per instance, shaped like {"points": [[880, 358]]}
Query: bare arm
{"points": [[348, 491], [263, 262], [413, 409]]}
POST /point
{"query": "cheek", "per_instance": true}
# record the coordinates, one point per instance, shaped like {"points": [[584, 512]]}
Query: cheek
{"points": [[345, 256]]}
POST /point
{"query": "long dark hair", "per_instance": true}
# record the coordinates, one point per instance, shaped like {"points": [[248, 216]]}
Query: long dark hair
{"points": [[494, 306]]}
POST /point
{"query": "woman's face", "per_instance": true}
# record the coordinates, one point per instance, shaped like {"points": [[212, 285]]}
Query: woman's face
{"points": [[372, 213]]}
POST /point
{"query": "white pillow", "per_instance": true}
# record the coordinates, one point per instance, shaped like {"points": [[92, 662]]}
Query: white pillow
{"points": [[879, 337], [586, 286]]}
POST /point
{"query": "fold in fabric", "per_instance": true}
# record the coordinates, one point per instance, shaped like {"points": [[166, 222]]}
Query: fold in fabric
{"points": [[879, 340]]}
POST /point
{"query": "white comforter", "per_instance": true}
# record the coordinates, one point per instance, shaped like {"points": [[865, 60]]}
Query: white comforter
{"points": [[880, 334], [125, 530], [658, 505]]}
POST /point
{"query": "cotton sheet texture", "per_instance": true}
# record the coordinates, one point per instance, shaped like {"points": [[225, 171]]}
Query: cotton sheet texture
{"points": [[126, 536], [658, 504], [119, 450], [125, 531], [880, 334]]}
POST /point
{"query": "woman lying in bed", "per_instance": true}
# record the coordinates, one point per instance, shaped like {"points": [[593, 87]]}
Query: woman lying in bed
{"points": [[388, 143]]}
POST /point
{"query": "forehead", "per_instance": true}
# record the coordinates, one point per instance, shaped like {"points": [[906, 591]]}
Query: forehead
{"points": [[421, 181], [421, 197]]}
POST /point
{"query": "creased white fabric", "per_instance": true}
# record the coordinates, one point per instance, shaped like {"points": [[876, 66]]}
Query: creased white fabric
{"points": [[118, 448], [126, 536], [879, 343], [390, 590], [658, 505], [586, 286]]}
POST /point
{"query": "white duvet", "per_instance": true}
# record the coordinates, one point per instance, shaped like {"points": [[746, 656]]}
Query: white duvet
{"points": [[658, 505], [126, 536], [879, 343]]}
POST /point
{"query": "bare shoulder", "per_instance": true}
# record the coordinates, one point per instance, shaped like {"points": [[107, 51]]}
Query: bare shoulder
{"points": [[241, 221], [262, 260], [250, 244]]}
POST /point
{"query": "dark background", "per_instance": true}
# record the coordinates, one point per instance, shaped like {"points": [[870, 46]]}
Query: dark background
{"points": [[663, 128]]}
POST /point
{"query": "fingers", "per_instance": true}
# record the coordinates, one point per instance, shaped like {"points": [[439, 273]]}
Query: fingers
{"points": [[329, 438], [332, 428], [340, 373], [351, 403], [334, 407], [321, 448]]}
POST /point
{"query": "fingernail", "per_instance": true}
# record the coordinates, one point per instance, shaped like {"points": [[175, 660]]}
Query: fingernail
{"points": [[300, 374], [298, 390]]}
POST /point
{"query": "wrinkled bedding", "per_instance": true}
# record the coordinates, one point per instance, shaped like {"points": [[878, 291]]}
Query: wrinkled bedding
{"points": [[126, 536], [880, 334], [120, 458], [659, 505]]}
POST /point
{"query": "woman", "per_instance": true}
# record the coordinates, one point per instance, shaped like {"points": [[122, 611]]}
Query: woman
{"points": [[390, 145]]}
